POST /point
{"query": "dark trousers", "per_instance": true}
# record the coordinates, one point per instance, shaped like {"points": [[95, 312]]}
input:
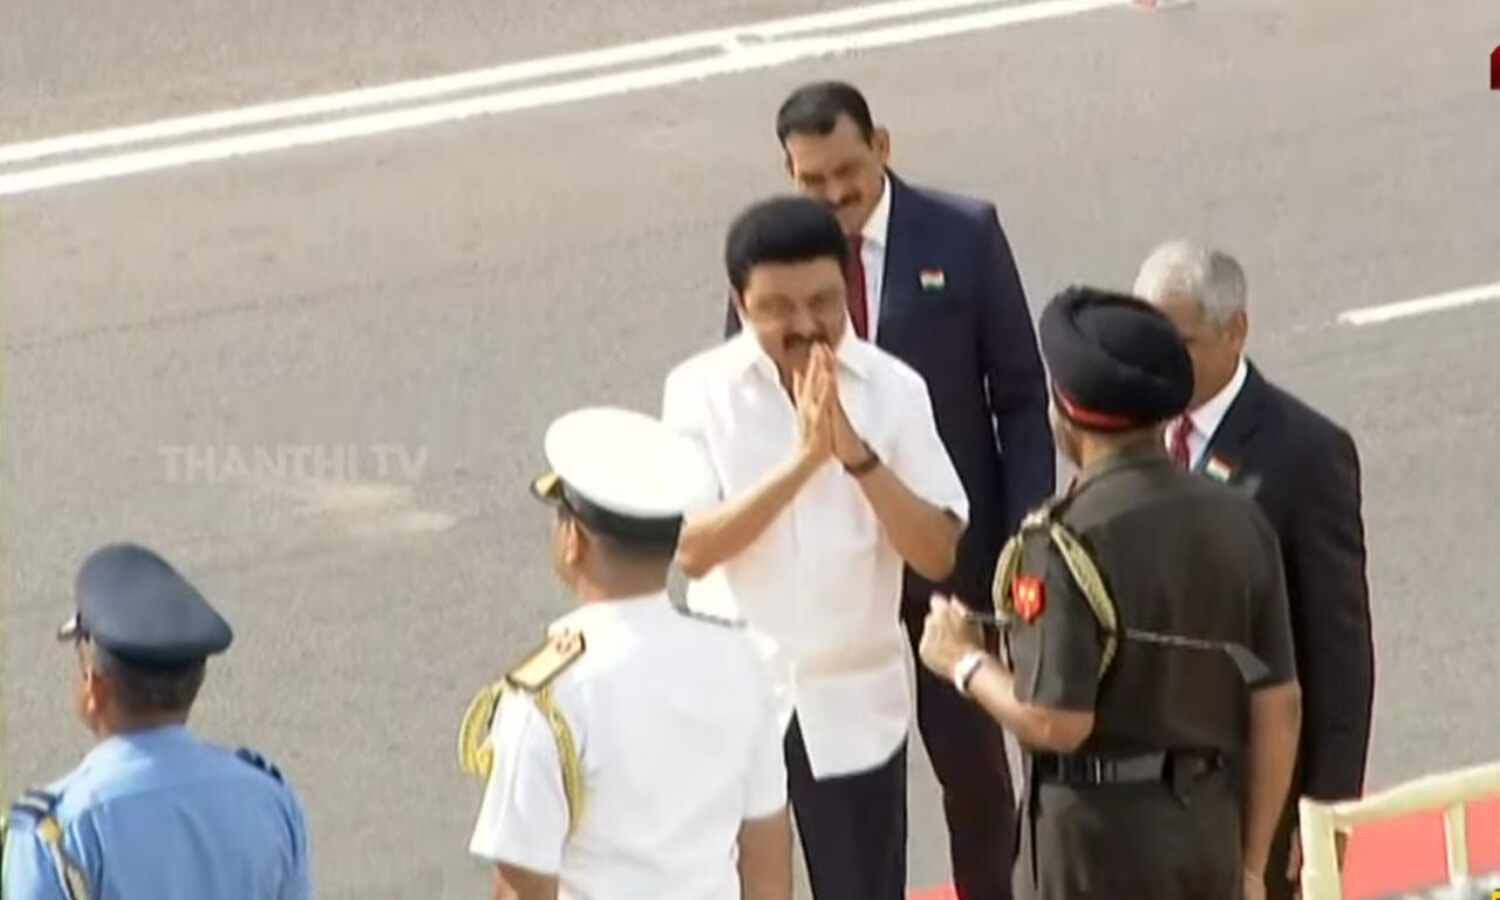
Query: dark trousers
{"points": [[1133, 840], [967, 749], [853, 827]]}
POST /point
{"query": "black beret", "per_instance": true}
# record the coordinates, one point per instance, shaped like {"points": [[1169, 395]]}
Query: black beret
{"points": [[1117, 363], [134, 604]]}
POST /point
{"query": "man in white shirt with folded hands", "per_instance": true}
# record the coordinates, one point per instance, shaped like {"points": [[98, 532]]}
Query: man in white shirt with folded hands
{"points": [[831, 476]]}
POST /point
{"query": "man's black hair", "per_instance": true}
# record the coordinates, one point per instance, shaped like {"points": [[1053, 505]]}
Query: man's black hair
{"points": [[782, 230], [144, 691], [814, 109], [622, 551]]}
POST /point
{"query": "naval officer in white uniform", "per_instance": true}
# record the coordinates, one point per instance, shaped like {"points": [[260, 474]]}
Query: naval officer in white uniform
{"points": [[637, 752]]}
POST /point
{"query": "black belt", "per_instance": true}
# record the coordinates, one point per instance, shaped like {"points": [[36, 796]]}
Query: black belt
{"points": [[1084, 770]]}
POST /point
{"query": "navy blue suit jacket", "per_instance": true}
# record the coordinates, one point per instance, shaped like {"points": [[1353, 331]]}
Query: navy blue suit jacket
{"points": [[972, 339], [1305, 473]]}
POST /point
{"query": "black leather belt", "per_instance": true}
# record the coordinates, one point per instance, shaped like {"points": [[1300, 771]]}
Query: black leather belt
{"points": [[1081, 769]]}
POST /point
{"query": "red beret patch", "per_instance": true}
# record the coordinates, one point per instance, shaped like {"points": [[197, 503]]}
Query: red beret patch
{"points": [[1030, 596]]}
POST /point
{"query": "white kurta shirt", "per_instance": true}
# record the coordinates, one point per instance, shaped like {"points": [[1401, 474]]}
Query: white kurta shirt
{"points": [[679, 741], [821, 586]]}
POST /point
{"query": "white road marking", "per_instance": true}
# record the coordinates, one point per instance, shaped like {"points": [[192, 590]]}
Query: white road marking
{"points": [[319, 497], [732, 50], [440, 86], [1374, 315], [364, 509], [417, 521]]}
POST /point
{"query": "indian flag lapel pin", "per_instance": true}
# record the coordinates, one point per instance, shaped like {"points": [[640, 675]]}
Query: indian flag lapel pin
{"points": [[932, 279], [1217, 469]]}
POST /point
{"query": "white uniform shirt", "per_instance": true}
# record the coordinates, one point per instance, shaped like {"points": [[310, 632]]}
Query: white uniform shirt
{"points": [[821, 586], [1207, 418], [679, 743]]}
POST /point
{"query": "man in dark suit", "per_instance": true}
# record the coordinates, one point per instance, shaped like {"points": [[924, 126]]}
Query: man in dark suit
{"points": [[1304, 471], [931, 281]]}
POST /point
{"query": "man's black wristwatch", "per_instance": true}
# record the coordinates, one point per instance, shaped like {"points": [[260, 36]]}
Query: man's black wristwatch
{"points": [[867, 465]]}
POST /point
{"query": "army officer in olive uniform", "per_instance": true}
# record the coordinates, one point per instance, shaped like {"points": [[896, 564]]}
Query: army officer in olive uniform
{"points": [[638, 752], [1151, 675]]}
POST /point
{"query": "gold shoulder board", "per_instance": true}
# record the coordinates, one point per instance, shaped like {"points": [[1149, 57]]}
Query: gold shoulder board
{"points": [[534, 676], [547, 662]]}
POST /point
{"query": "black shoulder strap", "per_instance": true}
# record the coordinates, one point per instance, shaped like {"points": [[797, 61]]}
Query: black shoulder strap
{"points": [[677, 596], [683, 609], [258, 761], [33, 805]]}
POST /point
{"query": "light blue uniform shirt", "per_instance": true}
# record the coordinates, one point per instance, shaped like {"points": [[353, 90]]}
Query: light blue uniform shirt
{"points": [[159, 814]]}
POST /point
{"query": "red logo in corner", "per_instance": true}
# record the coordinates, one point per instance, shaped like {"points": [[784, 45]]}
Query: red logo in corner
{"points": [[1495, 69]]}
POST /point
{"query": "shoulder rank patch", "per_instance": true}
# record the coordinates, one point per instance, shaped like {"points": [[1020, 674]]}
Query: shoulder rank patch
{"points": [[40, 807], [33, 805], [35, 808], [547, 662], [258, 761], [1029, 595], [1024, 596], [532, 675]]}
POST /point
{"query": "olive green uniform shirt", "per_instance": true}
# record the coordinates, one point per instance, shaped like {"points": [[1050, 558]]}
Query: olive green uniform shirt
{"points": [[1180, 555]]}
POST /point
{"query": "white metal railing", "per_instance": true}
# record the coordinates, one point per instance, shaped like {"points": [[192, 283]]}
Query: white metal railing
{"points": [[1450, 792]]}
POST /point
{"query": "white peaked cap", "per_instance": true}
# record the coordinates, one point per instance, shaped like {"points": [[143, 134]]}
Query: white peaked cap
{"points": [[633, 468]]}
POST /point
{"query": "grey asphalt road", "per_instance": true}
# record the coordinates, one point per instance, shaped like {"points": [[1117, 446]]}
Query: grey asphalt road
{"points": [[69, 67], [448, 291]]}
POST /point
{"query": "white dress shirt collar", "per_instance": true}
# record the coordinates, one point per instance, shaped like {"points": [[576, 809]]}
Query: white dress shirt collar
{"points": [[1206, 418], [878, 225]]}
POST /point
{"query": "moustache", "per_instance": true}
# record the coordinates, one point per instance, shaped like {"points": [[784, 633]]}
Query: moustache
{"points": [[799, 341]]}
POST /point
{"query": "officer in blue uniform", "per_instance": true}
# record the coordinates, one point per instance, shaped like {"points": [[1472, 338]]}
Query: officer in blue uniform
{"points": [[152, 811]]}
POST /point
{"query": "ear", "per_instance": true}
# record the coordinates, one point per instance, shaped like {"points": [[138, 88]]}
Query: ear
{"points": [[786, 159], [880, 139], [95, 690], [575, 542], [737, 301], [1239, 327]]}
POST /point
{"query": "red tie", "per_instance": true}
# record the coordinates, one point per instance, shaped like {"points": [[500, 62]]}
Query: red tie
{"points": [[854, 276], [1179, 449]]}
